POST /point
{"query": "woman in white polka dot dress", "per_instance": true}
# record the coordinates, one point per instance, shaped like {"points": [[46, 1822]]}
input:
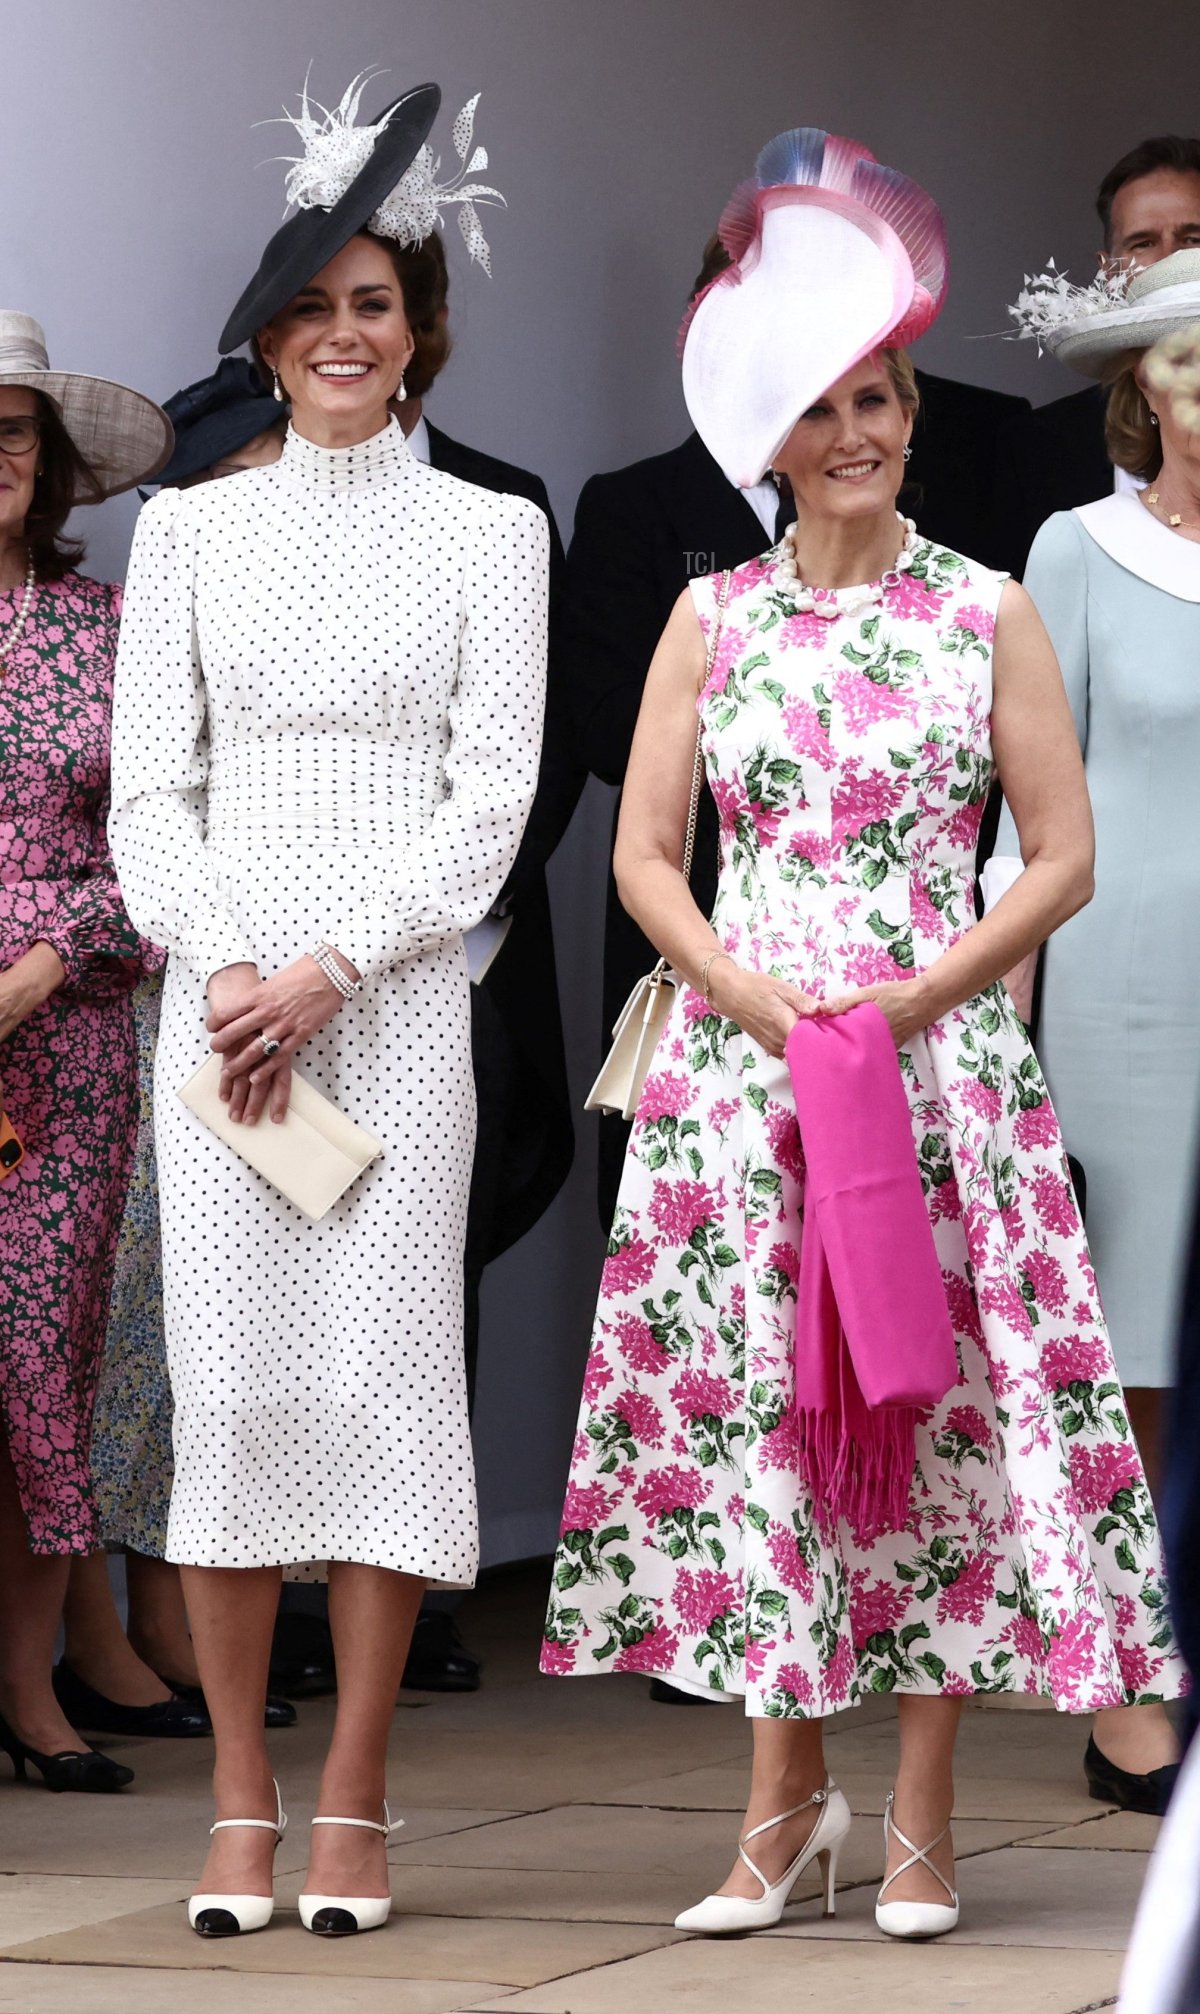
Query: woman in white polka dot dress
{"points": [[327, 727]]}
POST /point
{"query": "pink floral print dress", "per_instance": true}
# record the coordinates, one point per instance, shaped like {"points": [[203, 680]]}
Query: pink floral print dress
{"points": [[849, 760], [69, 1072]]}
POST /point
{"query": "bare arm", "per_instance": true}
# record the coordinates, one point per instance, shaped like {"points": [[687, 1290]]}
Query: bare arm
{"points": [[648, 862], [1037, 754]]}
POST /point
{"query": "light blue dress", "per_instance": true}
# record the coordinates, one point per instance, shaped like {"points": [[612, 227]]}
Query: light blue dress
{"points": [[1120, 1028]]}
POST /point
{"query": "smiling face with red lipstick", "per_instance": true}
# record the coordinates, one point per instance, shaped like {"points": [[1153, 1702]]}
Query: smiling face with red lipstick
{"points": [[341, 345]]}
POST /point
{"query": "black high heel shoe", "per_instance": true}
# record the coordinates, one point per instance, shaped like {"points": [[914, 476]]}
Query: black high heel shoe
{"points": [[72, 1769], [85, 1707]]}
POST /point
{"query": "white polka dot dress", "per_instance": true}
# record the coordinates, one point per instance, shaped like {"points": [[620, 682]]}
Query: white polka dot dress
{"points": [[327, 724]]}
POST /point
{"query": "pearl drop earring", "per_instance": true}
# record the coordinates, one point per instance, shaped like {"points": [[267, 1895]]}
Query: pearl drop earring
{"points": [[278, 389], [401, 391]]}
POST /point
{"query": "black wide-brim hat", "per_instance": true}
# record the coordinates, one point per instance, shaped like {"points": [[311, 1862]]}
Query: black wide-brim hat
{"points": [[216, 416], [311, 238]]}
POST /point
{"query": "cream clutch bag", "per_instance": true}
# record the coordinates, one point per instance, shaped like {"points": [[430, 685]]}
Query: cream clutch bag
{"points": [[311, 1158]]}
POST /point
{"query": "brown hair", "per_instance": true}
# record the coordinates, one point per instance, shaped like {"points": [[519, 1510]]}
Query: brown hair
{"points": [[1133, 442], [65, 479], [1167, 150], [714, 260], [424, 283]]}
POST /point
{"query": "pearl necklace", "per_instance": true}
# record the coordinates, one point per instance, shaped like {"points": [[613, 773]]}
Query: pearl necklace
{"points": [[830, 602], [12, 635]]}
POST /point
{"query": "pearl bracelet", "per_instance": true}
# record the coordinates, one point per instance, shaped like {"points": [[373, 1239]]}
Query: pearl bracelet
{"points": [[323, 954]]}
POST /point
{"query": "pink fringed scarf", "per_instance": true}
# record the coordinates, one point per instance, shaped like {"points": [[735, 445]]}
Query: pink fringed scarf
{"points": [[874, 1343]]}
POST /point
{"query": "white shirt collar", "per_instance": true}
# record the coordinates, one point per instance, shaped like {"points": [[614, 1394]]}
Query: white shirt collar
{"points": [[1123, 528], [763, 499], [418, 441]]}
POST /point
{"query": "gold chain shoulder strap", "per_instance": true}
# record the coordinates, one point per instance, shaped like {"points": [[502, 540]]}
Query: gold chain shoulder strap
{"points": [[689, 842]]}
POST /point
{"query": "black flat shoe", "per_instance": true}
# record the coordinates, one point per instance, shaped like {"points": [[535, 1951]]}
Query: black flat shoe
{"points": [[175, 1718], [72, 1769], [1110, 1785], [673, 1695], [302, 1664], [279, 1712], [438, 1659]]}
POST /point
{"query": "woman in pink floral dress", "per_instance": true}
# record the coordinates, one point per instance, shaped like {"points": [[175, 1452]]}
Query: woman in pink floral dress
{"points": [[69, 959], [850, 735]]}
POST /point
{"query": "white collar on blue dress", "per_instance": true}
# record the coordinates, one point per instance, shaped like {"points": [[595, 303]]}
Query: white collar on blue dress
{"points": [[1123, 527]]}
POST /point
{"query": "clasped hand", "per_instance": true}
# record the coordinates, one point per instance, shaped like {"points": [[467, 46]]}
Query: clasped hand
{"points": [[768, 1009], [288, 1008], [902, 1002]]}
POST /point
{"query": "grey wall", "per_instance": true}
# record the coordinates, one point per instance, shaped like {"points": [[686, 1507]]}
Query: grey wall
{"points": [[136, 201]]}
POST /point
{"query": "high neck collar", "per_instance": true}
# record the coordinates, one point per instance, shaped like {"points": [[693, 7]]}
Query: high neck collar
{"points": [[380, 459]]}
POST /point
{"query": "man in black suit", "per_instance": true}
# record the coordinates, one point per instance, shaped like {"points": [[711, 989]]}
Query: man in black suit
{"points": [[641, 533], [1149, 206], [525, 1138]]}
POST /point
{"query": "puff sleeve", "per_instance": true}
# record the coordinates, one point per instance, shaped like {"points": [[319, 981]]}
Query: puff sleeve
{"points": [[89, 926], [447, 882], [160, 751]]}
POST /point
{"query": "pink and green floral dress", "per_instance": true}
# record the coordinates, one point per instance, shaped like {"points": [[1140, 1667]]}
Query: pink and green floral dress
{"points": [[849, 760]]}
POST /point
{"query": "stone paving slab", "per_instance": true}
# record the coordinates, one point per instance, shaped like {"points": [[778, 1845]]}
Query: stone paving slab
{"points": [[773, 1976], [409, 1947], [1018, 1897], [122, 1989], [41, 1905], [695, 1847], [1112, 1832]]}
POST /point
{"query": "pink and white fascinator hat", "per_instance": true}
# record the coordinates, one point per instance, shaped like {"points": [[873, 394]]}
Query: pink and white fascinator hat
{"points": [[833, 256]]}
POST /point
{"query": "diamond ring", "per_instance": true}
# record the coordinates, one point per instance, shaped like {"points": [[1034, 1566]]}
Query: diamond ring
{"points": [[270, 1047]]}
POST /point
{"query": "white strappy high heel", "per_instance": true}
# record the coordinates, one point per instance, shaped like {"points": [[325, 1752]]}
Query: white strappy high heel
{"points": [[234, 1915], [913, 1919], [724, 1915], [343, 1915]]}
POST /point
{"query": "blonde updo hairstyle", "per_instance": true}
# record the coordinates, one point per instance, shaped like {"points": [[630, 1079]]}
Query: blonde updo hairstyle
{"points": [[1132, 439]]}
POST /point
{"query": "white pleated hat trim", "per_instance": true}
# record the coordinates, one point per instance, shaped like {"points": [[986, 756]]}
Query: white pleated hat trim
{"points": [[742, 404]]}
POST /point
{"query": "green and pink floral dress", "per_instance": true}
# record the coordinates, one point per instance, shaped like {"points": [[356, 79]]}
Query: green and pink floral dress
{"points": [[849, 760]]}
